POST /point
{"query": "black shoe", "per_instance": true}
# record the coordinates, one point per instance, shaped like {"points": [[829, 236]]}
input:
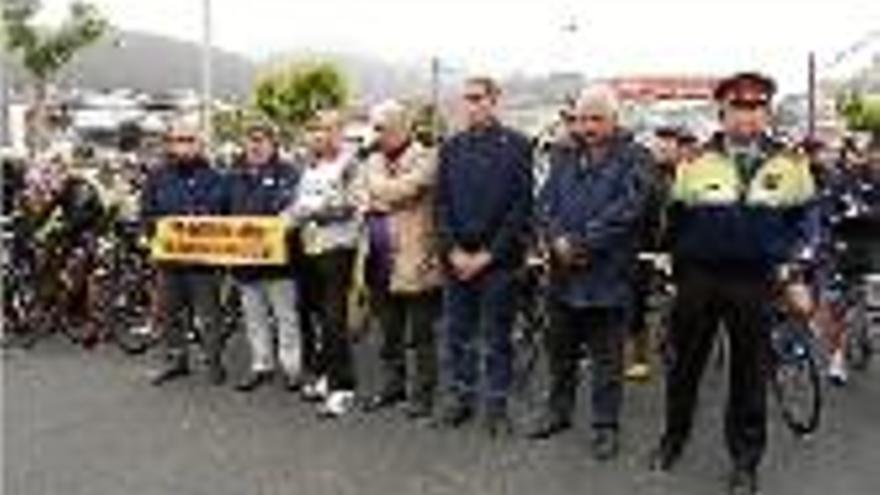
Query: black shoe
{"points": [[550, 425], [604, 444], [498, 425], [664, 457], [384, 400], [743, 482], [253, 381], [216, 374], [169, 373], [455, 415]]}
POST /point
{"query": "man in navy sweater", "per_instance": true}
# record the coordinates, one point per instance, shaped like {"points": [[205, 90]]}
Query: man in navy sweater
{"points": [[186, 184], [484, 204]]}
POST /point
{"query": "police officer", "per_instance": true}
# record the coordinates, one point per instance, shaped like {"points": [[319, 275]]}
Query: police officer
{"points": [[738, 214]]}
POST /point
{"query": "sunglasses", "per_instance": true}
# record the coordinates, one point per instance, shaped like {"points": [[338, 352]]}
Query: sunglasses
{"points": [[474, 97], [748, 104], [181, 139]]}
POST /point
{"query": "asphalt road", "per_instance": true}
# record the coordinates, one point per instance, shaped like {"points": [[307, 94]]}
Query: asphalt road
{"points": [[88, 423]]}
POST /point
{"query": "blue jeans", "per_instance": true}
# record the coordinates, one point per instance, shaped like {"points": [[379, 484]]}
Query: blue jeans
{"points": [[485, 303], [271, 318]]}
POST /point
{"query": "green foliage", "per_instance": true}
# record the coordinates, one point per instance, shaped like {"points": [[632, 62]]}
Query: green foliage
{"points": [[229, 125], [429, 125], [861, 112], [43, 52], [291, 95]]}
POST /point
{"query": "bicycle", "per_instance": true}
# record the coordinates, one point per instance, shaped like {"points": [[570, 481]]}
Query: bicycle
{"points": [[862, 317], [59, 297], [794, 371], [125, 279], [531, 322]]}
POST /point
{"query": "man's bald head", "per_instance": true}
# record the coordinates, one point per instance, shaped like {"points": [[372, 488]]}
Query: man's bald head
{"points": [[596, 110]]}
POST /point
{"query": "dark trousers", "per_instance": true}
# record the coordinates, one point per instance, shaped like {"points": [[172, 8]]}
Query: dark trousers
{"points": [[329, 276], [488, 304], [307, 307], [409, 319], [706, 300], [603, 330], [190, 295]]}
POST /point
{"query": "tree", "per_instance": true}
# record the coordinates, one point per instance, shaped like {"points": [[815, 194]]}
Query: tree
{"points": [[429, 125], [291, 95], [44, 51], [229, 124], [862, 113]]}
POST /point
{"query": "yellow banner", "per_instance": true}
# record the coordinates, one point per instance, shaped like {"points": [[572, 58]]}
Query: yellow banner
{"points": [[221, 240]]}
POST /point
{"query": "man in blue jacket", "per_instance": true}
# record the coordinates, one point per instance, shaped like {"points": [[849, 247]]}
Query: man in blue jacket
{"points": [[483, 204], [264, 185], [590, 210], [186, 184]]}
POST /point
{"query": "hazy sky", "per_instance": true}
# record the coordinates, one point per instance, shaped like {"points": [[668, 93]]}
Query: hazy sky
{"points": [[613, 37]]}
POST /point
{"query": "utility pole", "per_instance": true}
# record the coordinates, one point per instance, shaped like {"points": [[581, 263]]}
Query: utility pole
{"points": [[5, 138], [206, 114], [435, 94], [811, 96]]}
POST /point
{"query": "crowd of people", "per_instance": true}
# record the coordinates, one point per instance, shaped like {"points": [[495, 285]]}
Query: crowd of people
{"points": [[439, 235]]}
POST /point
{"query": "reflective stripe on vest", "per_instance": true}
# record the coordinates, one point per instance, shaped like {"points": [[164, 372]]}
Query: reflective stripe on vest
{"points": [[781, 181]]}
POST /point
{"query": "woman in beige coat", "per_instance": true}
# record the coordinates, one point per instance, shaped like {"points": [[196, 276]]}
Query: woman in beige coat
{"points": [[403, 268]]}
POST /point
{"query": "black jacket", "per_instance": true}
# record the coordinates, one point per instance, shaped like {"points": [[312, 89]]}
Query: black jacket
{"points": [[484, 193]]}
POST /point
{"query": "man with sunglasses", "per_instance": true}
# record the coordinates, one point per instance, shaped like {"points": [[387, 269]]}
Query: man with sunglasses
{"points": [[484, 196], [740, 214], [186, 184]]}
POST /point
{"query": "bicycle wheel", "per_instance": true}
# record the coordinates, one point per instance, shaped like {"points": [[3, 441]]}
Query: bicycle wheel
{"points": [[526, 348], [859, 348], [130, 326], [20, 328], [126, 307], [795, 378]]}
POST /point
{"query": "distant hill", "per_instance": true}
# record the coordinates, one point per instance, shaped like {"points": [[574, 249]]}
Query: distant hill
{"points": [[153, 63], [156, 64]]}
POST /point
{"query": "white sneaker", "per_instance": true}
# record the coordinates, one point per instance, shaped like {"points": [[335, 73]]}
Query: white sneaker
{"points": [[338, 403], [142, 330], [837, 371], [316, 390]]}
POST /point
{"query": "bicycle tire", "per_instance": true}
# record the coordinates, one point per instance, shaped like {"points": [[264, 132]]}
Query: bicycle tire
{"points": [[129, 335], [859, 349], [526, 350], [795, 367]]}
